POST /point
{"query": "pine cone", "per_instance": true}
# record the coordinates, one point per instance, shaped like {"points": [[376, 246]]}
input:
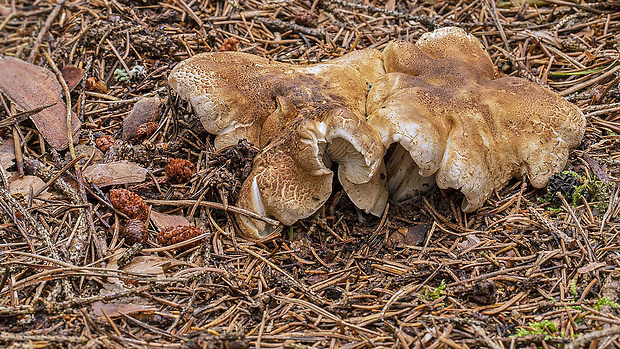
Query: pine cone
{"points": [[306, 19], [134, 231], [174, 235], [230, 44], [129, 203], [105, 142], [179, 170], [145, 130]]}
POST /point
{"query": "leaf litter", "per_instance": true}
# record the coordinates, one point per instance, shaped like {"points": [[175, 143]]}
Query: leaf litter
{"points": [[521, 271]]}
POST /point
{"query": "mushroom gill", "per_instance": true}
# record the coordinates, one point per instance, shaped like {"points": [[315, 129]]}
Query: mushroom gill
{"points": [[291, 178]]}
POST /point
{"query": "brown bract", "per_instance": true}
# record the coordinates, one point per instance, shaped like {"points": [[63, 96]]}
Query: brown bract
{"points": [[457, 126]]}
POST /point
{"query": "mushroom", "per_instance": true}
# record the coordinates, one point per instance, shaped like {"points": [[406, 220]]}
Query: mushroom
{"points": [[457, 126], [235, 93], [303, 117], [291, 178]]}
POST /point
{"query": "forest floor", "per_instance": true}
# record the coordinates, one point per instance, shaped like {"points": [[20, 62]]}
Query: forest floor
{"points": [[526, 270]]}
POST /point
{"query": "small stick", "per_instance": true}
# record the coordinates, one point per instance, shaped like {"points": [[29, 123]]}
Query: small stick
{"points": [[19, 159], [217, 206], [118, 55], [19, 117], [44, 30], [67, 101], [57, 175]]}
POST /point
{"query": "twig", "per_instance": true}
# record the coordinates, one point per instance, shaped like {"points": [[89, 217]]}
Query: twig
{"points": [[325, 313], [216, 205], [20, 337], [589, 337], [305, 289], [19, 117], [280, 25], [46, 27], [426, 21], [67, 101]]}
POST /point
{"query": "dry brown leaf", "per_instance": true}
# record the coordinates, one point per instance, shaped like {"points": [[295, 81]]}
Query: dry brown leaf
{"points": [[90, 151], [72, 76], [412, 236], [29, 87], [21, 187], [145, 110], [115, 308], [114, 173], [591, 267], [7, 153], [148, 265], [5, 10], [163, 220]]}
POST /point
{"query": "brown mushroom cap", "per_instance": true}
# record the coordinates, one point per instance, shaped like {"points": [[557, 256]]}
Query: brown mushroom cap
{"points": [[234, 93], [291, 178], [439, 102]]}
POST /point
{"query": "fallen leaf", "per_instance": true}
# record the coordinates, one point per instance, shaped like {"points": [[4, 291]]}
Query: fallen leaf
{"points": [[599, 171], [163, 220], [29, 87], [72, 76], [5, 11], [472, 240], [148, 265], [94, 84], [145, 110], [114, 173], [115, 308], [7, 153], [591, 267], [411, 236], [21, 186], [88, 150]]}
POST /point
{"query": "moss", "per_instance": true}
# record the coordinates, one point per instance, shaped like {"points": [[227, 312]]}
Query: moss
{"points": [[547, 328]]}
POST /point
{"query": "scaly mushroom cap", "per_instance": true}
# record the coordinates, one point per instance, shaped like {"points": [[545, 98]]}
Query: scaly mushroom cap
{"points": [[291, 178], [234, 93], [439, 101]]}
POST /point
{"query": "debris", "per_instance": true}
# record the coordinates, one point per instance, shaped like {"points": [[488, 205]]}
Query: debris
{"points": [[105, 142], [30, 87], [72, 76], [162, 220], [129, 203], [115, 173], [134, 231], [174, 235], [7, 153], [179, 170], [145, 110]]}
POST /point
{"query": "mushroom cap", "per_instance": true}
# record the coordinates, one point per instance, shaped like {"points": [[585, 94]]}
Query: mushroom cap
{"points": [[291, 178], [233, 93], [439, 102]]}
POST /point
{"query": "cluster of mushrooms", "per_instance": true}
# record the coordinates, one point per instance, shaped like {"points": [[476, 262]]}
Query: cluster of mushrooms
{"points": [[453, 123]]}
